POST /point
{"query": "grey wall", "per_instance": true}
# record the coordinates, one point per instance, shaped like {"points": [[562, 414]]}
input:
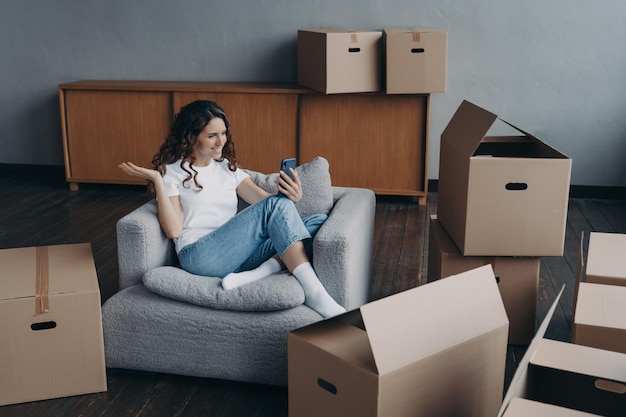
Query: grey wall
{"points": [[555, 68]]}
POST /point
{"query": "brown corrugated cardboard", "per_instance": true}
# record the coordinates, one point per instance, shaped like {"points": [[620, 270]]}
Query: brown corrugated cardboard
{"points": [[569, 375], [415, 60], [501, 195], [600, 308], [521, 407], [339, 60], [606, 260], [600, 317], [406, 355], [52, 345], [578, 377], [517, 277]]}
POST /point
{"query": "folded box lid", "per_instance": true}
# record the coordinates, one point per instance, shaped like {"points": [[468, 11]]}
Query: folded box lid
{"points": [[59, 268], [469, 126], [407, 327], [583, 360]]}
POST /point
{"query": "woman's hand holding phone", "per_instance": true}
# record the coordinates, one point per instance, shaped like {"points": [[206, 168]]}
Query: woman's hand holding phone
{"points": [[288, 180]]}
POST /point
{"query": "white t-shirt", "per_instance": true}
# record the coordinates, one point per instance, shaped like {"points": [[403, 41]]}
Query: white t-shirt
{"points": [[206, 209]]}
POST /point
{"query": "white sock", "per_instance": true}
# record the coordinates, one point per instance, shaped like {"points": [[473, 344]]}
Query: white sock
{"points": [[237, 279], [316, 296]]}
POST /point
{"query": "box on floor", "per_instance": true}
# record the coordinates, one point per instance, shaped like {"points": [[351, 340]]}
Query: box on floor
{"points": [[600, 304], [408, 354], [606, 260], [568, 375], [415, 60], [51, 327], [339, 61], [501, 195], [517, 278]]}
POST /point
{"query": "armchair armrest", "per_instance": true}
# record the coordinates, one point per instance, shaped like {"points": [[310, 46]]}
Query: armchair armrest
{"points": [[142, 245], [342, 248]]}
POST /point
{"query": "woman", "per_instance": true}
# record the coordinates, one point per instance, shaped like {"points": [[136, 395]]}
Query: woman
{"points": [[197, 181]]}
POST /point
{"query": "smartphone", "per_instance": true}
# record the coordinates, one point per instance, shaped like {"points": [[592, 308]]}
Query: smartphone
{"points": [[287, 163]]}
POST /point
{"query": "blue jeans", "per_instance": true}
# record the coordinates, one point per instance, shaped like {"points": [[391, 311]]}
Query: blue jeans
{"points": [[250, 238]]}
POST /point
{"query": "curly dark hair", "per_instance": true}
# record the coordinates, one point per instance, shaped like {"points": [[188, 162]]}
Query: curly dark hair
{"points": [[183, 138]]}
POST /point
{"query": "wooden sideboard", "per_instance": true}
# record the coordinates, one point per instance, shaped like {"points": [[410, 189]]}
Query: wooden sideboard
{"points": [[371, 140]]}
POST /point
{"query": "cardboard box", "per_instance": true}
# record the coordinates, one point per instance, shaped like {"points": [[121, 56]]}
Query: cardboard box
{"points": [[600, 317], [517, 278], [521, 407], [501, 195], [568, 375], [415, 60], [52, 345], [606, 260], [435, 350], [339, 61], [600, 309]]}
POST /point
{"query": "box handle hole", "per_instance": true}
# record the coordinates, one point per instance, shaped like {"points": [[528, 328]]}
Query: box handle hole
{"points": [[44, 325], [516, 186], [354, 49], [417, 50], [327, 386], [610, 386]]}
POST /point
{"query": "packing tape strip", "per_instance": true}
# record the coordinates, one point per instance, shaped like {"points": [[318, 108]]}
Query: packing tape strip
{"points": [[353, 38], [42, 280], [417, 37]]}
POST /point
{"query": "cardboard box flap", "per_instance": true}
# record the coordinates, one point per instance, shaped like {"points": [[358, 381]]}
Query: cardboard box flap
{"points": [[530, 135], [521, 407], [517, 387], [466, 305], [57, 269], [583, 360], [468, 126]]}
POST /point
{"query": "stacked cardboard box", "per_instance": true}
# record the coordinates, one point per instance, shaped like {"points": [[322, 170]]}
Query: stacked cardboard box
{"points": [[517, 279], [51, 326], [501, 200], [600, 308], [351, 61], [415, 60]]}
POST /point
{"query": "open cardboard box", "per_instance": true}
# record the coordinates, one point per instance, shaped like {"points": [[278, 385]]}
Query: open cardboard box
{"points": [[339, 60], [51, 326], [570, 376], [517, 278], [415, 60], [501, 195], [435, 350], [600, 304]]}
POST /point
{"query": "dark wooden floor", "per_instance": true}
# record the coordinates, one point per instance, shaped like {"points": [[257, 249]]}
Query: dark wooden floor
{"points": [[40, 210]]}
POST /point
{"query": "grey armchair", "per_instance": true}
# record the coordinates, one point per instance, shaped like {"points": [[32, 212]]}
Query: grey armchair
{"points": [[147, 331]]}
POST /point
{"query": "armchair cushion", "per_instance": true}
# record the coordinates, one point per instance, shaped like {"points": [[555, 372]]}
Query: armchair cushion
{"points": [[277, 292], [316, 184]]}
